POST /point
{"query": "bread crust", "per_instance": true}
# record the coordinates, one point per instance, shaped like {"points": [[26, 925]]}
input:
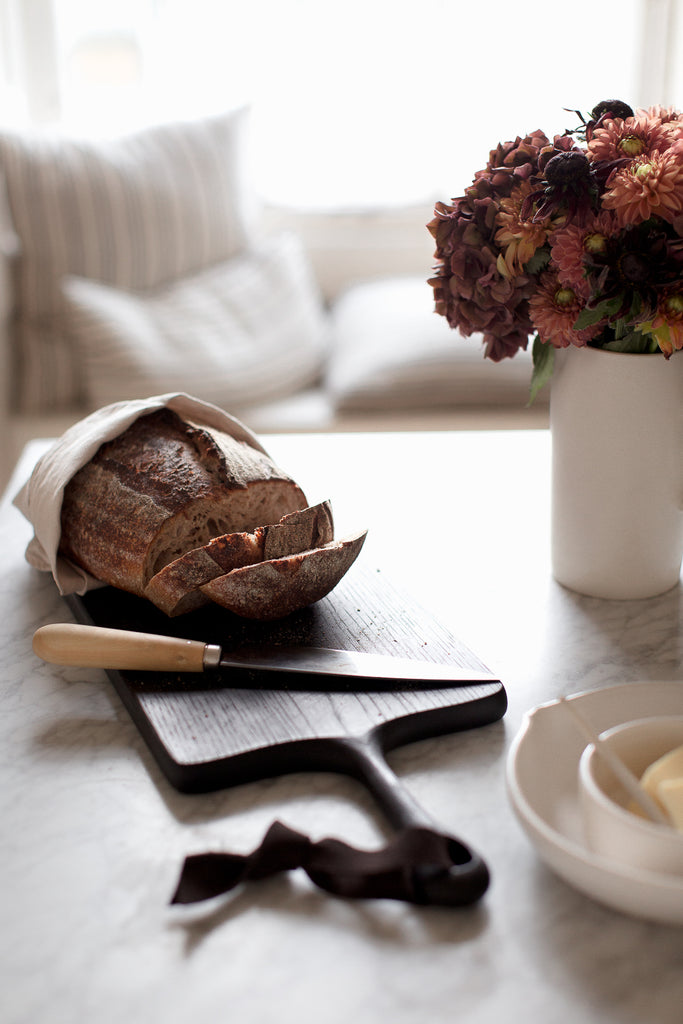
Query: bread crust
{"points": [[278, 587]]}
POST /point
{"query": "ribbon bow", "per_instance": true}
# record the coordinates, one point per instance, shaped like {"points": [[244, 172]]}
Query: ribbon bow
{"points": [[418, 866]]}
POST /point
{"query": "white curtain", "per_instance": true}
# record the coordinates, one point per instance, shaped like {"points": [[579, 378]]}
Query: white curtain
{"points": [[364, 103]]}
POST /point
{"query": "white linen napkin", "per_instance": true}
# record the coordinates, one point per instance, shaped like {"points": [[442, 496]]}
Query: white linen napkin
{"points": [[40, 498]]}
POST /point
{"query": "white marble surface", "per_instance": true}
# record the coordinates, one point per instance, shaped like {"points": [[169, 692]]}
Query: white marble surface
{"points": [[93, 835]]}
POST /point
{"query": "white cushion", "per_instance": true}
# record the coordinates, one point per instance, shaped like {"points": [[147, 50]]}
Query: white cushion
{"points": [[134, 212], [244, 331], [390, 351]]}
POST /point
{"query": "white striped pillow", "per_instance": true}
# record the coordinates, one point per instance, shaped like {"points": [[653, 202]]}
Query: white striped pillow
{"points": [[245, 331], [134, 212]]}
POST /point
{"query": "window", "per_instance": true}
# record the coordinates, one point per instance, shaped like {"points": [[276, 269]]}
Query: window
{"points": [[364, 103]]}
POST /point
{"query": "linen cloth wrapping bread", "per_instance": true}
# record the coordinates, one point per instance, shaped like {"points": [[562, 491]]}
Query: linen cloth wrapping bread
{"points": [[40, 498]]}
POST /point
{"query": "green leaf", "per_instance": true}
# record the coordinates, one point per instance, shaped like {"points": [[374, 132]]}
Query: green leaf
{"points": [[588, 317], [612, 306], [636, 307], [603, 311], [536, 263], [634, 341], [620, 329], [543, 357]]}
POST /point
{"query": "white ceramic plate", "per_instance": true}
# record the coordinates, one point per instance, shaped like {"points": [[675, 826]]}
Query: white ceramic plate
{"points": [[542, 784]]}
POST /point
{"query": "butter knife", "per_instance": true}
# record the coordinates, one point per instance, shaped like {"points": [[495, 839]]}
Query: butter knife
{"points": [[67, 643]]}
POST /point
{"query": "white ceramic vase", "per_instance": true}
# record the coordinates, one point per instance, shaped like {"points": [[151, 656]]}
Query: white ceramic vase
{"points": [[617, 472]]}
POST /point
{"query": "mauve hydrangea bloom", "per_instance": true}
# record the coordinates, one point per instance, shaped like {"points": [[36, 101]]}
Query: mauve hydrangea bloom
{"points": [[511, 162], [468, 288], [578, 239]]}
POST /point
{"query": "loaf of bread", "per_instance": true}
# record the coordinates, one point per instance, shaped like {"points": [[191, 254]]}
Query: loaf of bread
{"points": [[184, 514], [161, 488]]}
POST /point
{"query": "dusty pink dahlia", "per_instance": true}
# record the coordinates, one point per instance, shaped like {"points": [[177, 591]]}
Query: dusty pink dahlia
{"points": [[631, 138], [554, 309], [649, 186], [663, 114], [571, 244]]}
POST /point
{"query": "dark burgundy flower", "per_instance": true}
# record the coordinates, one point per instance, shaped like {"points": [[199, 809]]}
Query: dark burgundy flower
{"points": [[560, 144], [636, 265], [569, 186], [605, 110], [611, 108]]}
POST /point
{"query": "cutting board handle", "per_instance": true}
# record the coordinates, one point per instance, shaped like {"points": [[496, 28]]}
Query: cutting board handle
{"points": [[419, 864], [465, 879]]}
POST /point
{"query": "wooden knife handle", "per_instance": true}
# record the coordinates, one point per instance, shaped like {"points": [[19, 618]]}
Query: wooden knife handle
{"points": [[68, 643]]}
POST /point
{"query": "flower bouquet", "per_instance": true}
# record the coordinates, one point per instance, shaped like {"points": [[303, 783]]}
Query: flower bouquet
{"points": [[578, 240]]}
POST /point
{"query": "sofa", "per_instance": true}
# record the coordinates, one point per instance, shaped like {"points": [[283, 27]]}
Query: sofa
{"points": [[144, 264]]}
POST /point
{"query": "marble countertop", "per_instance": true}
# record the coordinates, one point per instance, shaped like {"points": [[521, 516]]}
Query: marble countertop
{"points": [[93, 835]]}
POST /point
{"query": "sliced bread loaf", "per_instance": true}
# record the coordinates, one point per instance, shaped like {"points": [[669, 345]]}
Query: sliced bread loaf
{"points": [[161, 488]]}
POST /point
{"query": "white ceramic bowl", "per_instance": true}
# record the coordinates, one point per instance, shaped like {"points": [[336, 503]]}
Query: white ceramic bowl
{"points": [[610, 829]]}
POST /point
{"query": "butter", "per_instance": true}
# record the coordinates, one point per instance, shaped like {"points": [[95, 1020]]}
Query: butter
{"points": [[670, 796], [663, 780]]}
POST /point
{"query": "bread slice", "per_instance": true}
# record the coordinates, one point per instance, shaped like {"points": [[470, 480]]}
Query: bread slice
{"points": [[298, 531], [280, 586], [161, 488], [175, 588]]}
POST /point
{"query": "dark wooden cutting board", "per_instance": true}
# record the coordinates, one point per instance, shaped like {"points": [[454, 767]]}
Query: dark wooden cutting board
{"points": [[206, 733]]}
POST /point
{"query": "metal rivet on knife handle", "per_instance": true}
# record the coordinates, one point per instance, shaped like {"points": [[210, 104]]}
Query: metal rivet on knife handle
{"points": [[212, 656]]}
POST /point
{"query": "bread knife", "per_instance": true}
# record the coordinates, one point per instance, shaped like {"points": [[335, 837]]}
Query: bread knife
{"points": [[77, 645]]}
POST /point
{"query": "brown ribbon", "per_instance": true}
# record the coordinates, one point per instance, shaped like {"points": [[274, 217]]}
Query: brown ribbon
{"points": [[405, 869]]}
